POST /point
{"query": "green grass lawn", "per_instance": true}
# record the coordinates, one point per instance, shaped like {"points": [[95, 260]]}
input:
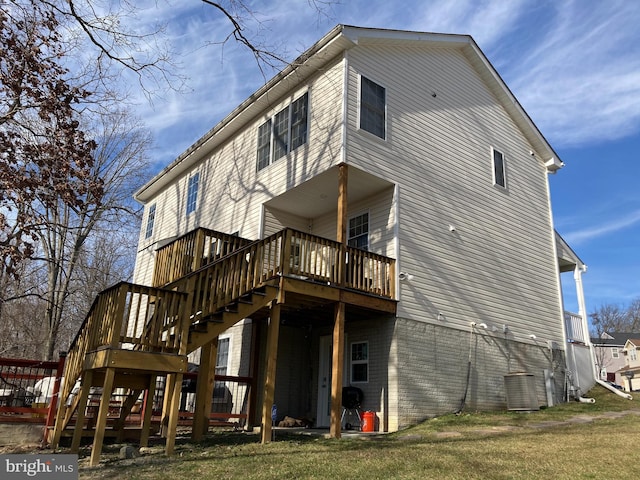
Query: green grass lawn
{"points": [[569, 441]]}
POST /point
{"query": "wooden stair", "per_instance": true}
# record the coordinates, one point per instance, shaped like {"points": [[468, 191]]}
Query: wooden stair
{"points": [[207, 329]]}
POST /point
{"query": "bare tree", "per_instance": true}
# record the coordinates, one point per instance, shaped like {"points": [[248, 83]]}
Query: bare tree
{"points": [[44, 154], [64, 182], [608, 318], [119, 165]]}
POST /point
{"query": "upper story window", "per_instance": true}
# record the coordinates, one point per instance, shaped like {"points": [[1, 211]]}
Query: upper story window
{"points": [[615, 353], [499, 177], [359, 362], [192, 192], [151, 218], [373, 107], [632, 354], [358, 234], [285, 132]]}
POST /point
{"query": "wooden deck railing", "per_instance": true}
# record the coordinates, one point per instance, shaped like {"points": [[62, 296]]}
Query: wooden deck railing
{"points": [[288, 252], [132, 317], [191, 252], [156, 319]]}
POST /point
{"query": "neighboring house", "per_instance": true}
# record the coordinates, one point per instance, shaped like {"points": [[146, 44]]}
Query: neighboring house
{"points": [[610, 356], [407, 151], [630, 373]]}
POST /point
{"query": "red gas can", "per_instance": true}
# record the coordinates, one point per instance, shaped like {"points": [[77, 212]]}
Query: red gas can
{"points": [[369, 422]]}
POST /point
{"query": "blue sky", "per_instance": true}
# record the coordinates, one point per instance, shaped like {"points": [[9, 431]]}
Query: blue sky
{"points": [[573, 65]]}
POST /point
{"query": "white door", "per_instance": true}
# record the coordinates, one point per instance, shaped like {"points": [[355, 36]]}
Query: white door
{"points": [[323, 416], [325, 360]]}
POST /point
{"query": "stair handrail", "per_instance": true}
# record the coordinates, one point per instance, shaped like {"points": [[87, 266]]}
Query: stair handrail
{"points": [[126, 315], [192, 251], [284, 253]]}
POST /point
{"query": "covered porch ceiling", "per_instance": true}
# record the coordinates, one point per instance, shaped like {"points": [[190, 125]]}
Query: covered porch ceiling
{"points": [[319, 195]]}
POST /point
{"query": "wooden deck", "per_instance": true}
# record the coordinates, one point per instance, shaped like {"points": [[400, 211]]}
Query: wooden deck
{"points": [[204, 283]]}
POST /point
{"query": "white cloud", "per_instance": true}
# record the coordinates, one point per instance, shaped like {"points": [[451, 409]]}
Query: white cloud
{"points": [[609, 226], [574, 65], [581, 81]]}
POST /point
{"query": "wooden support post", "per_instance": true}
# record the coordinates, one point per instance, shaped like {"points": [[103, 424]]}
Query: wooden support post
{"points": [[337, 360], [174, 413], [256, 327], [103, 412], [343, 180], [51, 411], [85, 390], [147, 412], [169, 387], [204, 389], [273, 332], [337, 371]]}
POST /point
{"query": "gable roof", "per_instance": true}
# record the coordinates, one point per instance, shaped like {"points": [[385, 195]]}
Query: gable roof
{"points": [[615, 339], [340, 39]]}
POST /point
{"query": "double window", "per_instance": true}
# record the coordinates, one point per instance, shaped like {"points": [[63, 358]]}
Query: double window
{"points": [[151, 218], [499, 176], [373, 108], [283, 133], [192, 192]]}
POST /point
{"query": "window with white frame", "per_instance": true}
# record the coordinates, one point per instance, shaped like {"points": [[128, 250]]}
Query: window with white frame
{"points": [[633, 356], [222, 357], [283, 133], [373, 107], [192, 192], [615, 352], [499, 176], [359, 362], [358, 233], [151, 218]]}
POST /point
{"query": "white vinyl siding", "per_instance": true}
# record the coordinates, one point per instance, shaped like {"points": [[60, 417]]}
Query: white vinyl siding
{"points": [[232, 200], [436, 150]]}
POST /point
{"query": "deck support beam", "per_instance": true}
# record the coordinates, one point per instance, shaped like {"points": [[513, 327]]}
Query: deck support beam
{"points": [[103, 412], [337, 360], [204, 389], [273, 332]]}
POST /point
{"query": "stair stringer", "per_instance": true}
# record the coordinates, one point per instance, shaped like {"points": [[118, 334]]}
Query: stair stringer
{"points": [[242, 310]]}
